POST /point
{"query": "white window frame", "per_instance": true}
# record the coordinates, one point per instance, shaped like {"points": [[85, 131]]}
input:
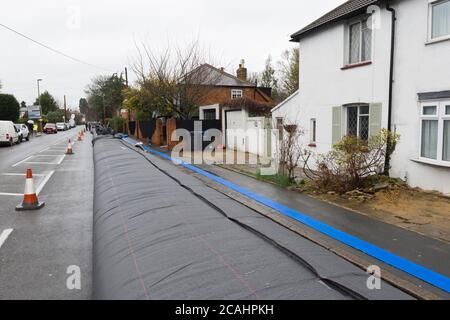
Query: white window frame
{"points": [[359, 20], [358, 119], [431, 4], [440, 117], [313, 131], [236, 93]]}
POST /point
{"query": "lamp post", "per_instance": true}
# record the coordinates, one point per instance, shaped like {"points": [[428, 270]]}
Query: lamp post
{"points": [[39, 99]]}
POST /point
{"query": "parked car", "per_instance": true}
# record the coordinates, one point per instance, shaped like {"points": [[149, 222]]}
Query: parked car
{"points": [[50, 128], [24, 132], [9, 134], [61, 126]]}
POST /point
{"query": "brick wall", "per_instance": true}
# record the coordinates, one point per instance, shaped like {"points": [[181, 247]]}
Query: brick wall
{"points": [[223, 94]]}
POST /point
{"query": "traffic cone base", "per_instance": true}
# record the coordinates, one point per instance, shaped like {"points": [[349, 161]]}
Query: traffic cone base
{"points": [[29, 207], [30, 199]]}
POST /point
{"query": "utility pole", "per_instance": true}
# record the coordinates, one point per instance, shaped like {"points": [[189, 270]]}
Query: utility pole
{"points": [[65, 109], [39, 100], [126, 77]]}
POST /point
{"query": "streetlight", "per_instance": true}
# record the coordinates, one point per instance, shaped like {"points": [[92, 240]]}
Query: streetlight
{"points": [[39, 92], [39, 98]]}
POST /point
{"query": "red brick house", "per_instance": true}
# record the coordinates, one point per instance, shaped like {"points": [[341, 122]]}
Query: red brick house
{"points": [[224, 87]]}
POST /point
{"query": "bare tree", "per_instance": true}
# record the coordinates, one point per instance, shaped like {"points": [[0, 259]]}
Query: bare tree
{"points": [[174, 81], [289, 149]]}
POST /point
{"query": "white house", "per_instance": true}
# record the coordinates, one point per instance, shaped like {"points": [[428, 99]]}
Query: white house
{"points": [[371, 64]]}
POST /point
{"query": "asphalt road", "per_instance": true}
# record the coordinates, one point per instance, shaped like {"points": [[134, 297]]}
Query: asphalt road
{"points": [[38, 247]]}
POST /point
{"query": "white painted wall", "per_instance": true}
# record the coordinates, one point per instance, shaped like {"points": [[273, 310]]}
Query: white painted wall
{"points": [[418, 68], [248, 133]]}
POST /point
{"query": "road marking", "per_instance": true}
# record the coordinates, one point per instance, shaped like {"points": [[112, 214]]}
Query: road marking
{"points": [[46, 155], [62, 158], [16, 164], [24, 160], [4, 235], [34, 162], [22, 174], [11, 194], [43, 183]]}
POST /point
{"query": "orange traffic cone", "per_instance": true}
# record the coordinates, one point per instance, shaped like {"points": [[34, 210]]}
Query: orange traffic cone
{"points": [[79, 137], [30, 199], [69, 148]]}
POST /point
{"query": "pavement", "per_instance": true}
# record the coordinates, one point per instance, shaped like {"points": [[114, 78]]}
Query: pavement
{"points": [[39, 248]]}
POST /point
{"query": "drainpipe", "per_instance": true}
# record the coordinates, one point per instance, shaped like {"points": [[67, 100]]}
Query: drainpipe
{"points": [[391, 83]]}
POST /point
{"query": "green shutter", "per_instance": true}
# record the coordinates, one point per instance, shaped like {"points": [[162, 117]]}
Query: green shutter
{"points": [[337, 124], [375, 118]]}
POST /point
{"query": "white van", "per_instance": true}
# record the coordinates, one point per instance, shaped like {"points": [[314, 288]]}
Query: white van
{"points": [[8, 133]]}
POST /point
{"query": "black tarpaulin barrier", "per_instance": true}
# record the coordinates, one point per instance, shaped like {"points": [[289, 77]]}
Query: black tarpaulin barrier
{"points": [[147, 128], [160, 233], [132, 127]]}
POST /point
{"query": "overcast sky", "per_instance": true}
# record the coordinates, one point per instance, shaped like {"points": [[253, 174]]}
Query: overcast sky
{"points": [[104, 32]]}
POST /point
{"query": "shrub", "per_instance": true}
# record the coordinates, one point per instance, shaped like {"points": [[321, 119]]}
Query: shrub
{"points": [[117, 124], [351, 162]]}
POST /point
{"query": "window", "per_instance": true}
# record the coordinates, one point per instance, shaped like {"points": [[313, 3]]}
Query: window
{"points": [[440, 19], [280, 128], [435, 131], [312, 137], [360, 42], [209, 114], [235, 94], [358, 121]]}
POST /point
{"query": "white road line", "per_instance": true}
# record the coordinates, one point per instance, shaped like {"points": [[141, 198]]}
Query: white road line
{"points": [[4, 235], [22, 174], [46, 155], [11, 194], [61, 160], [44, 182], [35, 162], [24, 160], [16, 164]]}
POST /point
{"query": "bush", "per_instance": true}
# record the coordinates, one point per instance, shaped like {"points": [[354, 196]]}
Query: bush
{"points": [[117, 124], [55, 116], [351, 162], [142, 115], [9, 107]]}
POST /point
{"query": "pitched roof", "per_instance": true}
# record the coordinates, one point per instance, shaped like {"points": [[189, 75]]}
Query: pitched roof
{"points": [[343, 11], [210, 75]]}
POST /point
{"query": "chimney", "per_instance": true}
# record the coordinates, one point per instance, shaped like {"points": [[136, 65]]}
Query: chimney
{"points": [[242, 71]]}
